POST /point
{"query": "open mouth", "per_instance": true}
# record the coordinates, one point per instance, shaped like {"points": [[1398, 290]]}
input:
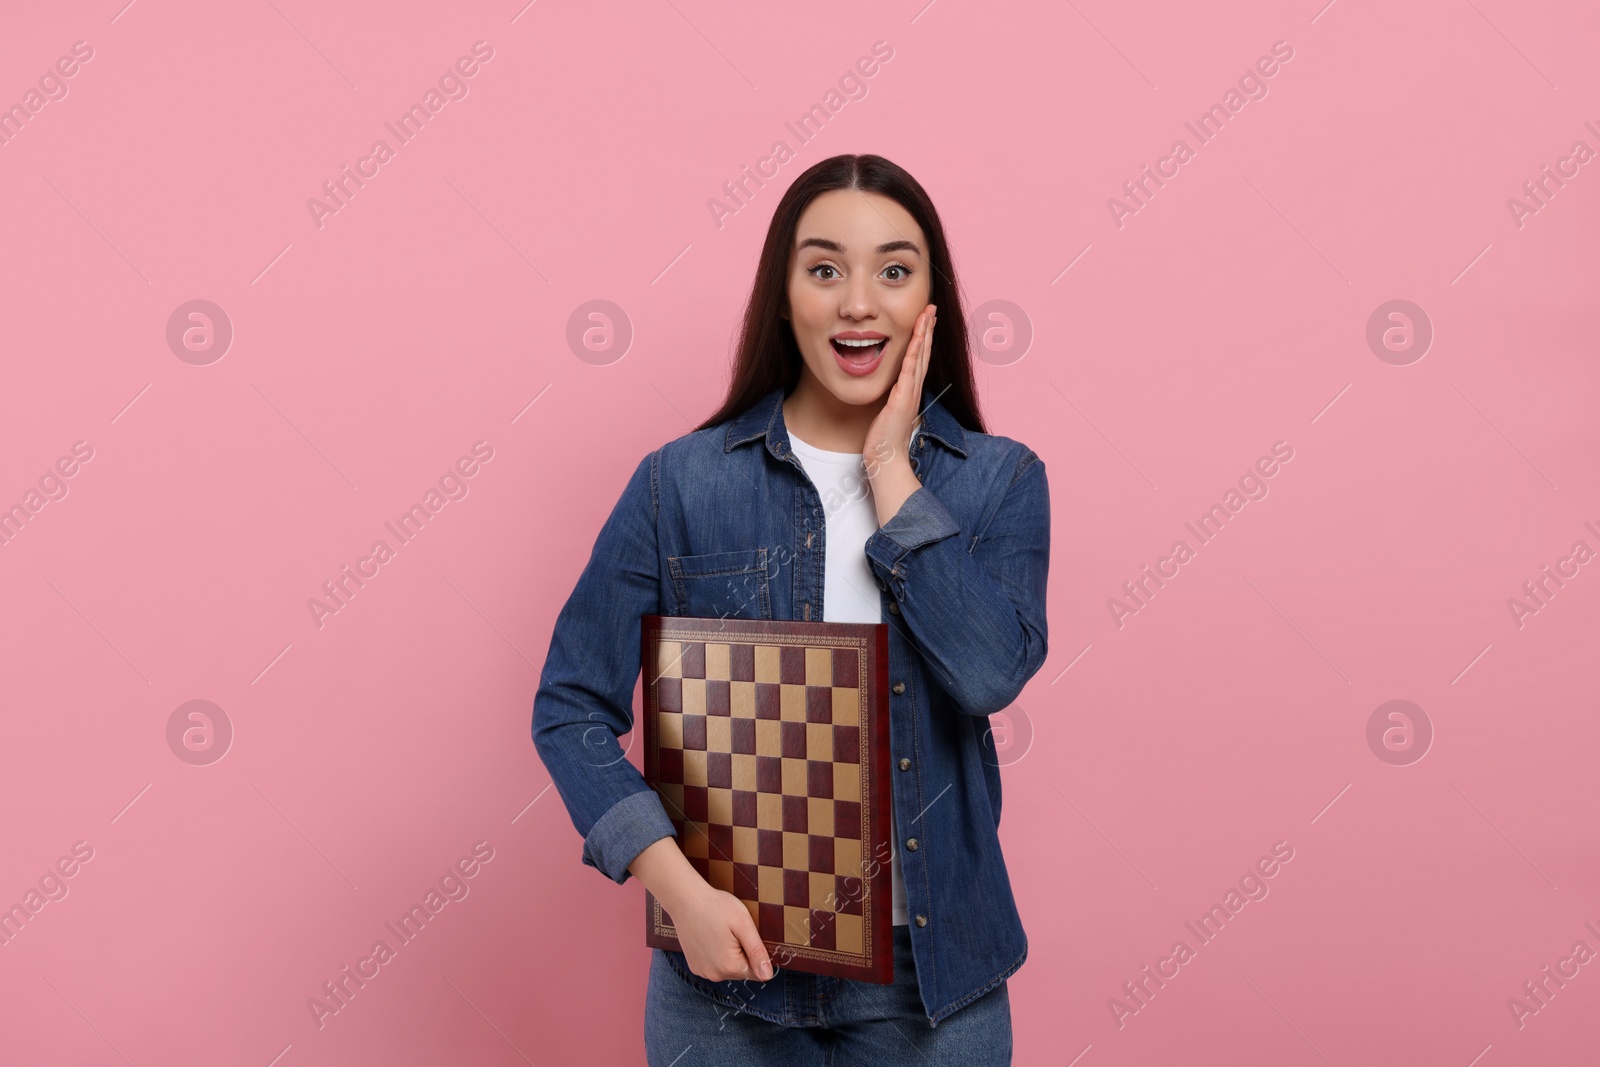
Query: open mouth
{"points": [[858, 351]]}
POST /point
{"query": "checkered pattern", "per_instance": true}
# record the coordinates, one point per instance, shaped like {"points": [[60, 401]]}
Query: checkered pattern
{"points": [[758, 762]]}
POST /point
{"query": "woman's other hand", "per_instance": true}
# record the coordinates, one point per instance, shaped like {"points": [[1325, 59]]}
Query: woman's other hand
{"points": [[719, 939]]}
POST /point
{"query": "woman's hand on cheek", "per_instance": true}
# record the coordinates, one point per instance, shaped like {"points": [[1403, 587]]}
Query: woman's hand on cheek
{"points": [[885, 452], [885, 445]]}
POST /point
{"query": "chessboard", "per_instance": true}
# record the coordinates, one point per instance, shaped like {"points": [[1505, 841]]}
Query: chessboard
{"points": [[768, 744]]}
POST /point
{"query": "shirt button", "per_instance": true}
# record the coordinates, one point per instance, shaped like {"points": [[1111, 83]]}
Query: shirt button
{"points": [[911, 844], [905, 764], [894, 607], [922, 920], [899, 687]]}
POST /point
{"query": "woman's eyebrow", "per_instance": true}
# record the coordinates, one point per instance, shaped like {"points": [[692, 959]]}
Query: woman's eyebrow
{"points": [[835, 246]]}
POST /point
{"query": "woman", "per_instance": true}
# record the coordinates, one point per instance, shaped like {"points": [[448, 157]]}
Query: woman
{"points": [[847, 477]]}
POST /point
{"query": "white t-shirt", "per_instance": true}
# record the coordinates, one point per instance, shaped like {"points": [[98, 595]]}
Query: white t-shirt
{"points": [[849, 591]]}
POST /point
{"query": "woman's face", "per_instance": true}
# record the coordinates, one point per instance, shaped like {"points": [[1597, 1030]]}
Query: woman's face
{"points": [[859, 271]]}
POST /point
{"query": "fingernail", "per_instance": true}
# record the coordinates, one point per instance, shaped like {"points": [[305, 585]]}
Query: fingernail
{"points": [[766, 969]]}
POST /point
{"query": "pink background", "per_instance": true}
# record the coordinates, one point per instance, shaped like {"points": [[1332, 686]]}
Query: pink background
{"points": [[1230, 312]]}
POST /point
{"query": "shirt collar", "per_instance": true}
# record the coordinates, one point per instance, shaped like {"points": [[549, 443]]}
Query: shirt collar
{"points": [[764, 418]]}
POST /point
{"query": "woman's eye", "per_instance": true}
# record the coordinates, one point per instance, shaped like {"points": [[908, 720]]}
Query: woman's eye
{"points": [[902, 271]]}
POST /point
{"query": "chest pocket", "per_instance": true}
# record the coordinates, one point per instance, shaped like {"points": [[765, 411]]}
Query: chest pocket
{"points": [[722, 585]]}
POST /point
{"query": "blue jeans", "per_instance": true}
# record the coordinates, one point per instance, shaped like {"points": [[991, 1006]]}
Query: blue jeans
{"points": [[817, 1020]]}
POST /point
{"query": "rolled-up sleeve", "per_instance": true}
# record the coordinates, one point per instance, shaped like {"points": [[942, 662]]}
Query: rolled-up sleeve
{"points": [[585, 698], [974, 606]]}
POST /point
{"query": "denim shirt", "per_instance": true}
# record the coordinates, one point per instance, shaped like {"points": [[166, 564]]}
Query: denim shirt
{"points": [[724, 522]]}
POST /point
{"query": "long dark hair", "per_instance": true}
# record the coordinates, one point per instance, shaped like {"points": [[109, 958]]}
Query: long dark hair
{"points": [[768, 356]]}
